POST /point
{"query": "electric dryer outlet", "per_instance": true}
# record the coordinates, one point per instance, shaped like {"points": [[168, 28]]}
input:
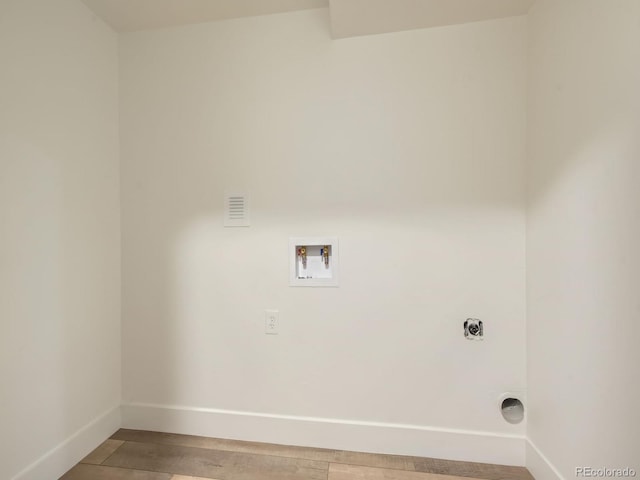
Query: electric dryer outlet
{"points": [[473, 329]]}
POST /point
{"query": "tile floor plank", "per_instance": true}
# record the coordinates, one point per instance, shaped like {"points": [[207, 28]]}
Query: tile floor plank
{"points": [[397, 462], [103, 452], [308, 453], [183, 477], [100, 472], [217, 464], [190, 457], [356, 472], [482, 471]]}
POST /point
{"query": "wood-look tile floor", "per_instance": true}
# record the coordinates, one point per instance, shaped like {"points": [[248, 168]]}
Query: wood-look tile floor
{"points": [[138, 455]]}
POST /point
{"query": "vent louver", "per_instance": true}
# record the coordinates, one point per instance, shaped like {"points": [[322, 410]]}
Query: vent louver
{"points": [[236, 210]]}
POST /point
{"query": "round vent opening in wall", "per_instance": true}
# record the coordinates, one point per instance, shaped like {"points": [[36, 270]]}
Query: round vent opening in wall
{"points": [[512, 410]]}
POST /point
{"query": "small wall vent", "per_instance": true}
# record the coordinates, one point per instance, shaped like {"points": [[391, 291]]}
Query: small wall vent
{"points": [[236, 210]]}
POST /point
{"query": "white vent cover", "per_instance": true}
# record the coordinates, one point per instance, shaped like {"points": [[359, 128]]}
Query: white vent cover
{"points": [[236, 210]]}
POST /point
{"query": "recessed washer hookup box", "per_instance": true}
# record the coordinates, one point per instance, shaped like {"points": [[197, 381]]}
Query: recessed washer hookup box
{"points": [[313, 261]]}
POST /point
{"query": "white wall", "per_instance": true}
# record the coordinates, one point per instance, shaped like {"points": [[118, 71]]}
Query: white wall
{"points": [[59, 235], [583, 235], [409, 147]]}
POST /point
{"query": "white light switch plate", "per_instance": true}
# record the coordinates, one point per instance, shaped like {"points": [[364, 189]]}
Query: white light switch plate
{"points": [[271, 322]]}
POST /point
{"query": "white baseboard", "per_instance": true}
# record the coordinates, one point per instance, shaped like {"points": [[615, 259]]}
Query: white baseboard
{"points": [[539, 465], [398, 439], [61, 458]]}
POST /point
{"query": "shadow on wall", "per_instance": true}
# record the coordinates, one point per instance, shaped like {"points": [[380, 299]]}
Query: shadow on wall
{"points": [[583, 227], [385, 339], [36, 305], [582, 234]]}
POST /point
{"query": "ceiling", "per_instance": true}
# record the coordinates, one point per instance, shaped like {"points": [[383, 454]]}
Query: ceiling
{"points": [[132, 15], [348, 17], [365, 17]]}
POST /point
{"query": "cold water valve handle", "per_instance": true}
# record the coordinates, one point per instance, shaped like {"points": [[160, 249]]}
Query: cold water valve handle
{"points": [[325, 255]]}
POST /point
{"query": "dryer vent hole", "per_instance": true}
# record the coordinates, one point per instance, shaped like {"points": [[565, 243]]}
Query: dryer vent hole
{"points": [[512, 410]]}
